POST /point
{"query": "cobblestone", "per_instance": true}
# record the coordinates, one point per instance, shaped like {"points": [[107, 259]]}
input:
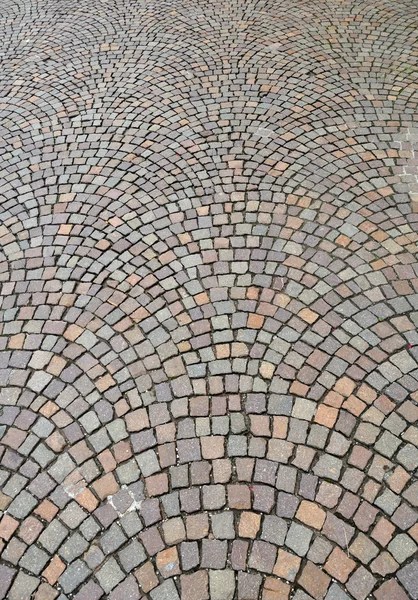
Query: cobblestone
{"points": [[208, 300]]}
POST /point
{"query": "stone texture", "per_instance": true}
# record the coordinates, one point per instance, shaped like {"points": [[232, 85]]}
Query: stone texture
{"points": [[208, 301]]}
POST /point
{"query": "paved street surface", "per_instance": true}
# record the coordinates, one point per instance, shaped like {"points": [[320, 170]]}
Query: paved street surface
{"points": [[209, 299]]}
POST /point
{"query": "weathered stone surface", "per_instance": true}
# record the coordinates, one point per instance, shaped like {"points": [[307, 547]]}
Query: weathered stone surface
{"points": [[208, 300]]}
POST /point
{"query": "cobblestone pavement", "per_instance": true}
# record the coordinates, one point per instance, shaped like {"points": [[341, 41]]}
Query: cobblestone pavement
{"points": [[209, 309]]}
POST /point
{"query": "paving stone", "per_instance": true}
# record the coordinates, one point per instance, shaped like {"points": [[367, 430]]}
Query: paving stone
{"points": [[6, 578], [223, 525], [402, 547], [336, 593], [360, 584], [222, 584], [248, 586], [310, 514], [165, 591], [45, 592], [195, 585], [337, 530], [147, 577], [249, 524], [390, 589], [112, 539], [339, 565], [89, 590], [131, 556], [74, 575], [52, 536], [274, 530], [329, 467], [22, 505], [262, 557], [363, 548], [189, 553], [319, 550], [314, 581], [34, 560], [23, 586], [298, 539], [287, 565], [73, 547], [213, 554], [168, 562], [127, 590], [408, 576], [384, 564], [404, 517], [411, 494], [286, 505]]}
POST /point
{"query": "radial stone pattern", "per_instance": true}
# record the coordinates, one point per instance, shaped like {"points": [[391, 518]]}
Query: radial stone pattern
{"points": [[209, 309]]}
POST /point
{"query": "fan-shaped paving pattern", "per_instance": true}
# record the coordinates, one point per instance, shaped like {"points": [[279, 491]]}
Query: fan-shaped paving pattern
{"points": [[209, 300]]}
